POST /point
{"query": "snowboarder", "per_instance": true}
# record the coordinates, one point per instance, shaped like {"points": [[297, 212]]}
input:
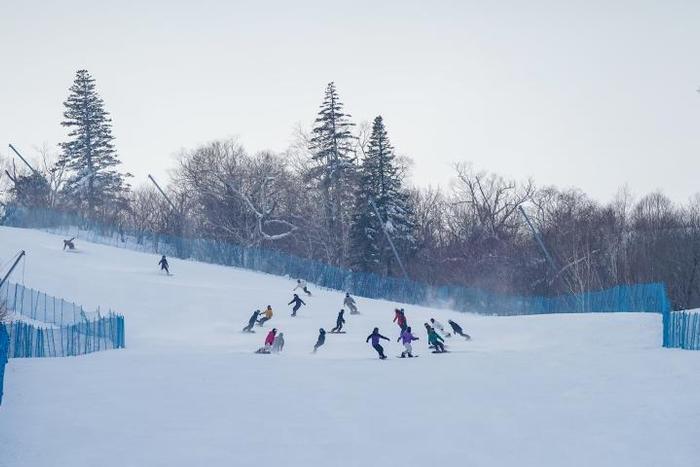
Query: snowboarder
{"points": [[164, 265], [251, 322], [457, 329], [269, 340], [69, 244], [437, 325], [278, 344], [350, 303], [301, 284], [267, 316], [298, 302], [406, 338], [400, 318], [435, 340], [321, 339], [339, 322], [375, 336]]}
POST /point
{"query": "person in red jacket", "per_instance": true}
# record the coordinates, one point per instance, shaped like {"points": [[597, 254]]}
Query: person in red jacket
{"points": [[400, 318], [269, 340]]}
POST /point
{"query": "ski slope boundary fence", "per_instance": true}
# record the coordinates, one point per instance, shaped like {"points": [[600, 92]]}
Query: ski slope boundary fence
{"points": [[624, 298], [4, 352], [53, 327]]}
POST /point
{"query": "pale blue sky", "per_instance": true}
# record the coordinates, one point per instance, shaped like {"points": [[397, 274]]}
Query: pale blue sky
{"points": [[588, 94]]}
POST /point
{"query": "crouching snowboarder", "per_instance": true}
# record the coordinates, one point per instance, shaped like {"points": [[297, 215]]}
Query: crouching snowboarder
{"points": [[278, 344], [269, 340], [164, 265], [301, 284], [339, 321], [435, 341], [350, 303], [375, 336], [406, 338], [298, 302], [69, 244], [457, 329], [321, 339], [251, 322]]}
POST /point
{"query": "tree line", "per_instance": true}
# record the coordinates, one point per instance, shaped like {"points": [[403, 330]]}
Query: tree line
{"points": [[340, 194]]}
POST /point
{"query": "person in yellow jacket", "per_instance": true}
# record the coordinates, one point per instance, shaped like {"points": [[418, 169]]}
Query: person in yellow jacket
{"points": [[267, 315]]}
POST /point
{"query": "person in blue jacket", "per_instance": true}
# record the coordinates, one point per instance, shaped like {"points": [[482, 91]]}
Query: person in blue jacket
{"points": [[298, 302]]}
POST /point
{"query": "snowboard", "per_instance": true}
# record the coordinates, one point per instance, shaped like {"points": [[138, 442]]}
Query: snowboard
{"points": [[415, 356], [445, 351], [336, 332]]}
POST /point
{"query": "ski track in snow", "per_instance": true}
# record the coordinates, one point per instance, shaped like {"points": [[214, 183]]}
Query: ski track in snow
{"points": [[554, 390]]}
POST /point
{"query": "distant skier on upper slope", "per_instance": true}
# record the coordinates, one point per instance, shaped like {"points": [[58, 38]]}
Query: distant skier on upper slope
{"points": [[164, 265]]}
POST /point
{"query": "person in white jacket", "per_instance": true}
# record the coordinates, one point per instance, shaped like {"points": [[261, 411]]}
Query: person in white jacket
{"points": [[437, 325], [301, 284], [350, 303]]}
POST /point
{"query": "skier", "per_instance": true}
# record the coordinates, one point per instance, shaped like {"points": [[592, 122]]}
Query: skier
{"points": [[350, 303], [278, 344], [406, 338], [458, 329], [267, 317], [321, 339], [435, 340], [339, 322], [69, 244], [298, 302], [269, 340], [400, 318], [251, 322], [375, 336], [301, 284], [437, 325], [164, 265]]}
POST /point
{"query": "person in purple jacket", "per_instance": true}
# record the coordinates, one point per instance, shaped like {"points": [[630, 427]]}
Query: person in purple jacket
{"points": [[375, 336], [406, 338]]}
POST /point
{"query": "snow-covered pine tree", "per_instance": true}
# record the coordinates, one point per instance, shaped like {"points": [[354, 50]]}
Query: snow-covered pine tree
{"points": [[332, 147], [381, 181], [89, 155]]}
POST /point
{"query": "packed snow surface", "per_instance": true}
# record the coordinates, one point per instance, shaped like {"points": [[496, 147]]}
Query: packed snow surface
{"points": [[556, 390]]}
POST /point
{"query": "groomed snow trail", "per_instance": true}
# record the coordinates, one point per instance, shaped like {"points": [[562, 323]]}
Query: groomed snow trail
{"points": [[557, 390]]}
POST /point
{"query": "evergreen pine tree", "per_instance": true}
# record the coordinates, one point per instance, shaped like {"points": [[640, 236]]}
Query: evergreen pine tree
{"points": [[89, 155], [381, 182], [332, 146]]}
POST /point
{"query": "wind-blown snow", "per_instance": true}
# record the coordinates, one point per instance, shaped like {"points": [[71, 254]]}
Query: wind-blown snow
{"points": [[557, 390]]}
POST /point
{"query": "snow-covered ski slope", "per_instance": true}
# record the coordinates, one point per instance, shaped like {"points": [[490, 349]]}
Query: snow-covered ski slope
{"points": [[557, 390]]}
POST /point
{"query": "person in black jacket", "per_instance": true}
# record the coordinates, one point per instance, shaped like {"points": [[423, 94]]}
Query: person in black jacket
{"points": [[251, 322], [375, 336], [339, 322], [458, 329], [321, 339], [298, 302], [164, 265]]}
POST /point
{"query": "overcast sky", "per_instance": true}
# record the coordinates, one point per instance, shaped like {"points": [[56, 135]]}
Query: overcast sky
{"points": [[587, 94]]}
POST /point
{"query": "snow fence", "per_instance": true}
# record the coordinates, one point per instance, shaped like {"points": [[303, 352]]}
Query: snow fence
{"points": [[624, 298], [46, 326], [4, 351]]}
